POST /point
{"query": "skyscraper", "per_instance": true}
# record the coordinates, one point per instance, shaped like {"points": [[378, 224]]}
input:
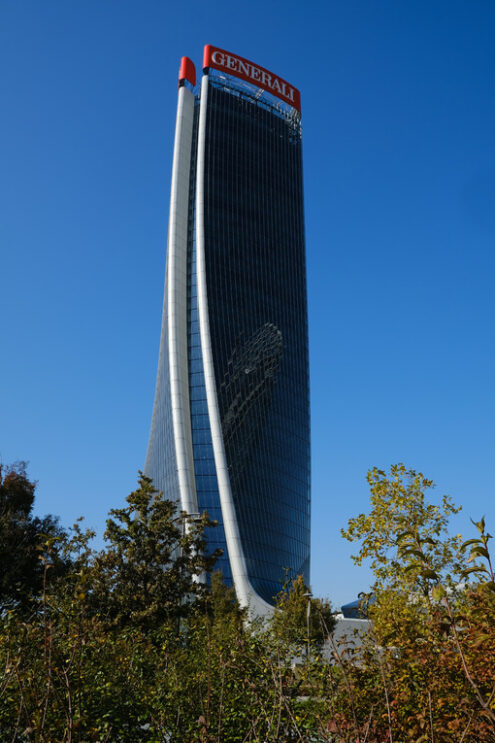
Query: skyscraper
{"points": [[230, 426]]}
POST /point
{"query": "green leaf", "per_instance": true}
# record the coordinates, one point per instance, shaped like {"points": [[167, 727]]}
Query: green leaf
{"points": [[481, 638], [412, 552], [412, 566], [476, 569], [430, 574], [438, 593], [407, 533], [469, 542], [479, 552], [429, 540], [480, 525]]}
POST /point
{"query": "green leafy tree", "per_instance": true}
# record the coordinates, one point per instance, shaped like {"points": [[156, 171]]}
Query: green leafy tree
{"points": [[424, 666], [399, 507], [297, 612], [22, 538], [155, 561], [103, 658]]}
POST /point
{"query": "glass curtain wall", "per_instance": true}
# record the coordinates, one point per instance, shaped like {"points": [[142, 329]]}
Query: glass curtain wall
{"points": [[256, 286]]}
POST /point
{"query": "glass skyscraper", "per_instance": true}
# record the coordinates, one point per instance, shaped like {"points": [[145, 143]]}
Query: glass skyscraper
{"points": [[230, 427]]}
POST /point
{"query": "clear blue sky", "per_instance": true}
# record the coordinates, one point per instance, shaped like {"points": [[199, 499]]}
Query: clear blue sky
{"points": [[399, 161]]}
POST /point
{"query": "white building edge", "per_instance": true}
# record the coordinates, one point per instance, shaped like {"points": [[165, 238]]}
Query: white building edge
{"points": [[176, 317]]}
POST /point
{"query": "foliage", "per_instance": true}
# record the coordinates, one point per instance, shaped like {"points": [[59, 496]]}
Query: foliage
{"points": [[297, 611], [154, 562], [428, 662], [22, 536], [398, 504], [142, 642]]}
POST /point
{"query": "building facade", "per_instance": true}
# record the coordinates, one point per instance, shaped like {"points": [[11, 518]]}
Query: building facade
{"points": [[230, 425]]}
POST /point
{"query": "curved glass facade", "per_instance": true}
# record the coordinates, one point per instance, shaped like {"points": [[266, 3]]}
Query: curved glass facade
{"points": [[254, 263], [161, 462], [204, 461], [256, 281]]}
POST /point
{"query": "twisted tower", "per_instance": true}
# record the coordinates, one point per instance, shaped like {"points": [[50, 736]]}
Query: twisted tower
{"points": [[230, 426]]}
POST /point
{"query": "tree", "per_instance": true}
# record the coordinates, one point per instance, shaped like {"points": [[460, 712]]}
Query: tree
{"points": [[22, 540], [105, 655], [297, 611], [399, 508], [428, 666], [155, 562]]}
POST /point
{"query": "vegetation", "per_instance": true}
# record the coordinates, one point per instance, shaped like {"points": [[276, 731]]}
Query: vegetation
{"points": [[22, 538], [134, 643], [428, 662]]}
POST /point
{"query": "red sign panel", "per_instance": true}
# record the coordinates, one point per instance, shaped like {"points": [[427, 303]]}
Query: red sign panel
{"points": [[187, 70], [219, 59]]}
